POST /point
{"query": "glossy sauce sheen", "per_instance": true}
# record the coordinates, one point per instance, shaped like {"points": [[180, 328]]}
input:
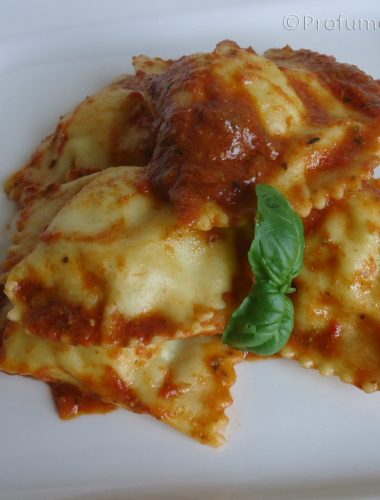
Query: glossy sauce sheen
{"points": [[212, 149], [79, 285], [184, 383], [337, 328], [71, 402], [56, 319], [347, 82], [213, 142], [216, 133]]}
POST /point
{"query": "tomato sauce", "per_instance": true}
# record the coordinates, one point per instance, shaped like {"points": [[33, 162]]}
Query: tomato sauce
{"points": [[214, 148], [212, 144], [121, 392], [131, 136], [347, 82], [71, 402], [50, 316], [143, 328]]}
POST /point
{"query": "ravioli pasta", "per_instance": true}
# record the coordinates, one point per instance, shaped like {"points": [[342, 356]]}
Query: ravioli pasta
{"points": [[111, 268], [191, 373], [34, 219], [294, 119], [337, 324], [184, 383], [136, 216], [107, 129]]}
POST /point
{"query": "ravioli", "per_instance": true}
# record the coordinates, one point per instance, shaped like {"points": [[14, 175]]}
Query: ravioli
{"points": [[184, 383], [231, 118], [343, 106], [115, 267], [122, 278], [110, 128], [337, 325], [34, 219]]}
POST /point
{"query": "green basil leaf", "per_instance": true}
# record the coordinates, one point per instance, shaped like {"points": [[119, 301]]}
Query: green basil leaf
{"points": [[277, 251], [263, 322]]}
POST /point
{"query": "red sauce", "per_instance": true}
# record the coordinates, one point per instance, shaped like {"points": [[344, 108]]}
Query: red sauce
{"points": [[347, 82], [131, 135], [76, 173], [212, 144], [369, 342], [327, 342], [364, 358], [373, 186], [51, 317], [122, 393], [243, 277], [327, 257], [71, 402], [317, 114], [215, 147], [142, 328], [143, 185], [316, 220], [170, 389], [345, 154]]}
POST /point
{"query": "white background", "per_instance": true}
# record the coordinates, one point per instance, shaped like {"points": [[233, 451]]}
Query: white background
{"points": [[293, 434]]}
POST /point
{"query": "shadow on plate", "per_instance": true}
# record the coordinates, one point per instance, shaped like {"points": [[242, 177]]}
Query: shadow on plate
{"points": [[337, 490]]}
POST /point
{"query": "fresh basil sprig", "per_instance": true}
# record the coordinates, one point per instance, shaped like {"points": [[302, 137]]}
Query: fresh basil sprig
{"points": [[276, 254], [264, 321]]}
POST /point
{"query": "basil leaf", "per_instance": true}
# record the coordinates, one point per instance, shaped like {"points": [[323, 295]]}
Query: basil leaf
{"points": [[263, 322], [265, 319], [276, 254]]}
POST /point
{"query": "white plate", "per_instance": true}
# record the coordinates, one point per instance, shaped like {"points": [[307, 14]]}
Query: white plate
{"points": [[293, 434]]}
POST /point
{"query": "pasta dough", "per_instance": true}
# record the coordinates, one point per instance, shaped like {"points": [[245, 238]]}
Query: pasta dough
{"points": [[110, 128], [231, 118], [121, 279], [184, 383], [337, 327], [116, 267]]}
